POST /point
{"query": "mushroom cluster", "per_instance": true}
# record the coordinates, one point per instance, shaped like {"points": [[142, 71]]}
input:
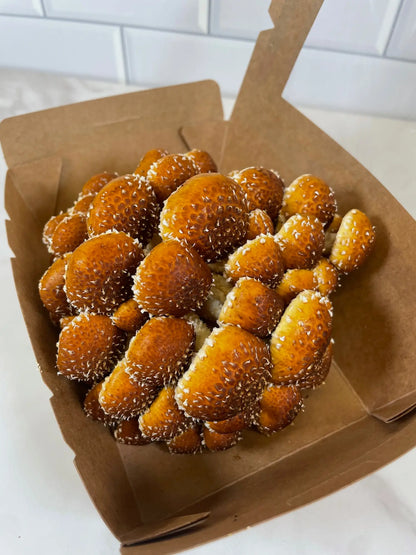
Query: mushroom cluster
{"points": [[196, 305]]}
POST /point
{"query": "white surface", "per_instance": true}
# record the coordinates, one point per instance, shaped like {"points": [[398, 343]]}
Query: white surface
{"points": [[61, 46], [44, 507], [372, 42], [403, 39], [239, 18], [21, 7], [156, 58], [358, 83], [180, 15], [354, 25]]}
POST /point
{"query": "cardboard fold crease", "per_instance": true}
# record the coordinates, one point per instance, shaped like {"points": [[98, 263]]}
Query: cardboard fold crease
{"points": [[361, 419]]}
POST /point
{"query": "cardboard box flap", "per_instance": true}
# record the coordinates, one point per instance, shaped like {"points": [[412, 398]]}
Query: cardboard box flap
{"points": [[375, 320], [174, 525], [209, 136], [41, 134]]}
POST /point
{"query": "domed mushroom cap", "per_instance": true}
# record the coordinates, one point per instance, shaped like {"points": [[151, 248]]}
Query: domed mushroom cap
{"points": [[127, 203], [128, 432], [120, 397], [83, 203], [326, 276], [99, 274], [226, 376], [320, 370], [88, 347], [129, 317], [97, 182], [260, 258], [202, 160], [168, 173], [300, 337], [50, 226], [52, 291], [234, 424], [92, 407], [253, 306], [294, 281], [160, 350], [279, 405], [302, 240], [69, 233], [188, 442], [215, 441], [163, 419], [259, 223], [148, 159], [353, 242], [172, 279], [264, 189], [309, 195], [209, 213]]}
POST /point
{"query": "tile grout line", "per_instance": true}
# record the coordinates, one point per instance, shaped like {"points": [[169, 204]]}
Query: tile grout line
{"points": [[124, 54], [393, 26]]}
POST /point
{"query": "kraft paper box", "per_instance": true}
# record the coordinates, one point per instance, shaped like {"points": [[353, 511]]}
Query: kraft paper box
{"points": [[360, 420]]}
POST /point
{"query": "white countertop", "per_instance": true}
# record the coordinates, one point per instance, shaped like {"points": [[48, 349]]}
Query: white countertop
{"points": [[44, 507]]}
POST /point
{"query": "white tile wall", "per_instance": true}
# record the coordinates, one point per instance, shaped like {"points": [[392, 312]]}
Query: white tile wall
{"points": [[178, 15], [21, 7], [360, 54], [155, 58], [353, 83], [403, 40], [63, 47], [239, 18], [354, 25]]}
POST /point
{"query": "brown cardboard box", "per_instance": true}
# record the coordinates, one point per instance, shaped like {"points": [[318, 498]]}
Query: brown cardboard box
{"points": [[360, 420]]}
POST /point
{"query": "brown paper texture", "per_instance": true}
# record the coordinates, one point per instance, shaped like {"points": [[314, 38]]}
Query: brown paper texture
{"points": [[143, 493]]}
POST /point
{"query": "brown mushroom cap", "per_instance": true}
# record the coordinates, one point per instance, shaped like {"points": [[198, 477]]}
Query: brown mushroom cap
{"points": [[128, 432], [122, 398], [172, 279], [353, 242], [260, 258], [209, 213], [163, 419], [99, 273], [259, 223], [226, 376], [202, 160], [128, 203], [309, 195], [302, 240], [294, 281], [92, 407], [317, 375], [215, 441], [253, 306], [88, 347], [234, 424], [168, 173], [129, 317], [160, 350], [70, 232], [97, 182], [326, 276], [188, 442], [83, 203], [300, 337], [148, 159], [279, 405], [50, 227], [264, 189], [52, 290]]}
